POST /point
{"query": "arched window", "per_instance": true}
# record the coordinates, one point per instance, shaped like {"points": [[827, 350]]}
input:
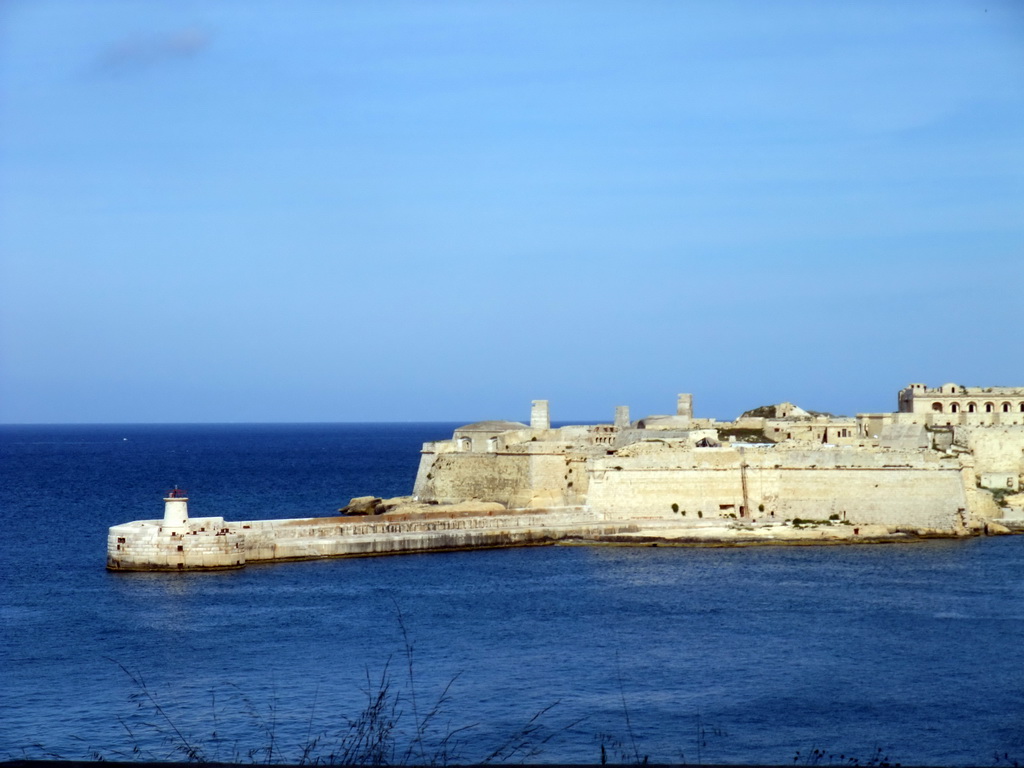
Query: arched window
{"points": [[1006, 407], [989, 407], [954, 408], [1022, 407], [972, 407], [937, 407]]}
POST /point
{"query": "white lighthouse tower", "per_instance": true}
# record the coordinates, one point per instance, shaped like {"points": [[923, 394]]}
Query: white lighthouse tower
{"points": [[175, 513]]}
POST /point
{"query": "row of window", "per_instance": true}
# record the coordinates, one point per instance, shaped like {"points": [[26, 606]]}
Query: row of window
{"points": [[973, 407]]}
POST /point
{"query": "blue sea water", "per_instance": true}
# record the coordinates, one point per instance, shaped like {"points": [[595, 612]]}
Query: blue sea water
{"points": [[683, 655]]}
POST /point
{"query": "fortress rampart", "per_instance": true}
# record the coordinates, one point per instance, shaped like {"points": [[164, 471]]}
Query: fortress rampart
{"points": [[659, 481], [894, 488]]}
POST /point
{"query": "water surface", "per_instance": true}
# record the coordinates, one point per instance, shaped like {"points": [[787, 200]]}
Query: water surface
{"points": [[723, 655]]}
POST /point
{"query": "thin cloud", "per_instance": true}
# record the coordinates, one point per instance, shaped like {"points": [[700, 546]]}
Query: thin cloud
{"points": [[144, 51]]}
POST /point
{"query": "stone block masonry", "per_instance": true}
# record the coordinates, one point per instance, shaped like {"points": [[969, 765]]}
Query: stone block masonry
{"points": [[207, 543], [908, 489]]}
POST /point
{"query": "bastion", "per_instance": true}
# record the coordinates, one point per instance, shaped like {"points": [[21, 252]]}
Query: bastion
{"points": [[176, 542], [776, 475]]}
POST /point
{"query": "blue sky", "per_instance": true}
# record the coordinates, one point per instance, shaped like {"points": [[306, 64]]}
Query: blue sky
{"points": [[363, 211]]}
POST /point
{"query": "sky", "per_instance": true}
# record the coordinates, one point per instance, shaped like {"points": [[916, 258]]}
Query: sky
{"points": [[440, 211]]}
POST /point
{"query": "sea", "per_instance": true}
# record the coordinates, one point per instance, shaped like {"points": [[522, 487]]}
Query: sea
{"points": [[867, 654]]}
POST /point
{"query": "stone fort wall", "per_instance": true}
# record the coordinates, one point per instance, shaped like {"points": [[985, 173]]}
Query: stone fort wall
{"points": [[527, 477], [205, 543], [886, 488], [661, 481], [998, 454]]}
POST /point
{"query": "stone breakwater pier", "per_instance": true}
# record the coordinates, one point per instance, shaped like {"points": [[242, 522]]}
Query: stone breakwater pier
{"points": [[949, 463], [181, 543], [178, 543]]}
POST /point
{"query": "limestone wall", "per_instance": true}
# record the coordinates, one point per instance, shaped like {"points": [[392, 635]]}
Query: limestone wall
{"points": [[862, 487], [448, 478], [647, 485], [146, 545], [998, 454], [550, 478], [531, 475], [672, 480]]}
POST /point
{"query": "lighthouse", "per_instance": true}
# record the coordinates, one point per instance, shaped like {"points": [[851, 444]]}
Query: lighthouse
{"points": [[175, 512]]}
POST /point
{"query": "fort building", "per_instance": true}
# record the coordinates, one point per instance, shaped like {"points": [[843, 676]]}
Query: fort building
{"points": [[952, 404], [948, 462]]}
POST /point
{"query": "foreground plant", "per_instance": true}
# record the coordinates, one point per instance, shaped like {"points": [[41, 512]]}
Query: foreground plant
{"points": [[397, 725]]}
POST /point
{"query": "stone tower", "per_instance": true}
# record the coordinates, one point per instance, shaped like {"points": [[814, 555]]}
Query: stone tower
{"points": [[622, 416], [175, 513], [539, 416], [684, 406]]}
